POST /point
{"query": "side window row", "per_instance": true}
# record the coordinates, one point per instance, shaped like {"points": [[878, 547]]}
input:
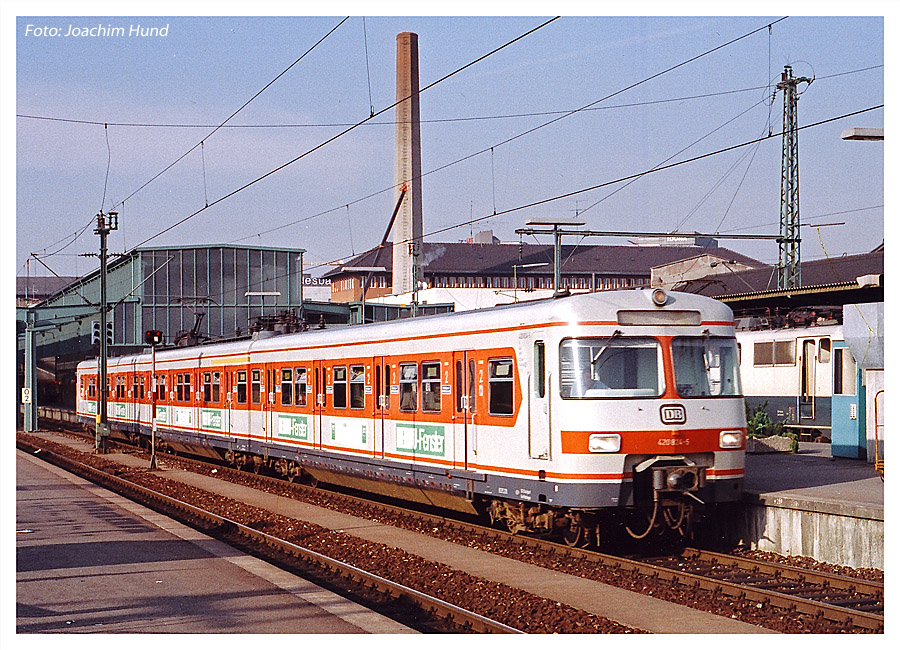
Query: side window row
{"points": [[349, 386]]}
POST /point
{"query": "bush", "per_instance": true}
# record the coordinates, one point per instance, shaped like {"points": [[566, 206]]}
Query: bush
{"points": [[761, 425]]}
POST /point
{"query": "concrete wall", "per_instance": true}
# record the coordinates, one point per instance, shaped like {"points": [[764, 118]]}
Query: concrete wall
{"points": [[827, 532]]}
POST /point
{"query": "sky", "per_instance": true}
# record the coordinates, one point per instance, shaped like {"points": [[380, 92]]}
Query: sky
{"points": [[96, 118]]}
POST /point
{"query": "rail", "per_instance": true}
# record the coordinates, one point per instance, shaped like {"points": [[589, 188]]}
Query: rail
{"points": [[844, 613], [438, 609]]}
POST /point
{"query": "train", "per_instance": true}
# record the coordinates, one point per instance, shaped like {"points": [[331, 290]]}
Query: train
{"points": [[570, 416], [794, 372]]}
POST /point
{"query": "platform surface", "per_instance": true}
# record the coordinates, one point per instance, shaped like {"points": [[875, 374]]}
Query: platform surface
{"points": [[88, 560], [812, 477]]}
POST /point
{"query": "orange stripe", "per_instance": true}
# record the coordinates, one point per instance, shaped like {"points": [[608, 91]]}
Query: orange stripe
{"points": [[666, 441], [405, 339]]}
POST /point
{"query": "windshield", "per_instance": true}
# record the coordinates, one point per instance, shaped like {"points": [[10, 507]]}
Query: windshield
{"points": [[610, 367], [706, 366]]}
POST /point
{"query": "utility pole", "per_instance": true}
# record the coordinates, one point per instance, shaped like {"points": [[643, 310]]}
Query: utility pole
{"points": [[105, 224], [788, 270]]}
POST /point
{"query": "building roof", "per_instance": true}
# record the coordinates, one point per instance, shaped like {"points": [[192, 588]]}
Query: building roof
{"points": [[486, 259], [824, 273], [41, 286]]}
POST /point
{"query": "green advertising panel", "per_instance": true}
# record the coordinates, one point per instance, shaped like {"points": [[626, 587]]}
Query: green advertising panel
{"points": [[426, 439]]}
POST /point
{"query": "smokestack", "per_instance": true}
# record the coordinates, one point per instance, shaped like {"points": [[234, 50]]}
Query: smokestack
{"points": [[407, 230]]}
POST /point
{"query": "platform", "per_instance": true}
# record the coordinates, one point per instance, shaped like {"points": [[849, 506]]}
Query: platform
{"points": [[623, 606], [814, 505], [88, 560]]}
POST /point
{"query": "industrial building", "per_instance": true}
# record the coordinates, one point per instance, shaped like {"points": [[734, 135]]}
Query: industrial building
{"points": [[190, 294]]}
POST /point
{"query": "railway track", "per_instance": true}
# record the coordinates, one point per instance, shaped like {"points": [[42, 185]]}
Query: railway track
{"points": [[838, 603], [444, 615]]}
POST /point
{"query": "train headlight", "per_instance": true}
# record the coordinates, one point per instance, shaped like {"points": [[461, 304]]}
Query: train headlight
{"points": [[659, 297], [731, 439], [604, 443]]}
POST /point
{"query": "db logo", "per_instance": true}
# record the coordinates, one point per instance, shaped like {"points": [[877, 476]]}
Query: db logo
{"points": [[672, 414]]}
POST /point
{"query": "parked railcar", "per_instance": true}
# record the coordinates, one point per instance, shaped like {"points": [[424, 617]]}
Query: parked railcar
{"points": [[556, 416], [789, 371]]}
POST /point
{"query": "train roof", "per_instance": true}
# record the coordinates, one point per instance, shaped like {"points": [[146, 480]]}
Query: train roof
{"points": [[595, 306]]}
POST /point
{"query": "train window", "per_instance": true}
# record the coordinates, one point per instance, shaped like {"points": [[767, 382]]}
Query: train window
{"points": [[135, 386], [299, 386], [160, 388], [241, 385], [610, 367], [340, 387], [431, 387], [500, 387], [287, 386], [141, 388], [378, 401], [763, 353], [824, 350], [784, 353], [471, 405], [179, 387], [409, 385], [207, 386], [539, 372], [459, 386], [357, 387], [844, 372], [387, 386], [216, 384], [706, 366], [255, 386]]}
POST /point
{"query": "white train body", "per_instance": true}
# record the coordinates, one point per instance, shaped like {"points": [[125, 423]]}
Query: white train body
{"points": [[539, 412], [790, 371]]}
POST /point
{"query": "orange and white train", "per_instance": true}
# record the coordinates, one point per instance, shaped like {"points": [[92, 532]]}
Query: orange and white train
{"points": [[553, 416]]}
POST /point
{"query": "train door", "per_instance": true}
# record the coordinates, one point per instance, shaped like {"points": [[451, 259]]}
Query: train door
{"points": [[268, 401], [318, 407], [464, 409], [806, 407], [241, 418], [227, 376], [539, 405], [381, 382]]}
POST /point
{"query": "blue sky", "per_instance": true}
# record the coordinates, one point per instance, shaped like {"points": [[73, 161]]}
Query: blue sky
{"points": [[205, 68]]}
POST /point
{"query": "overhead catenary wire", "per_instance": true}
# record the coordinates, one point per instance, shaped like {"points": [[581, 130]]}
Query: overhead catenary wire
{"points": [[344, 132], [519, 135], [339, 260], [242, 107], [474, 118]]}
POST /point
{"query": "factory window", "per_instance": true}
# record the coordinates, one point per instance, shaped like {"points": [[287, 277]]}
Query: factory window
{"points": [[431, 387], [241, 385], [409, 384], [500, 387], [255, 386], [357, 387], [287, 386], [300, 386], [340, 387]]}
